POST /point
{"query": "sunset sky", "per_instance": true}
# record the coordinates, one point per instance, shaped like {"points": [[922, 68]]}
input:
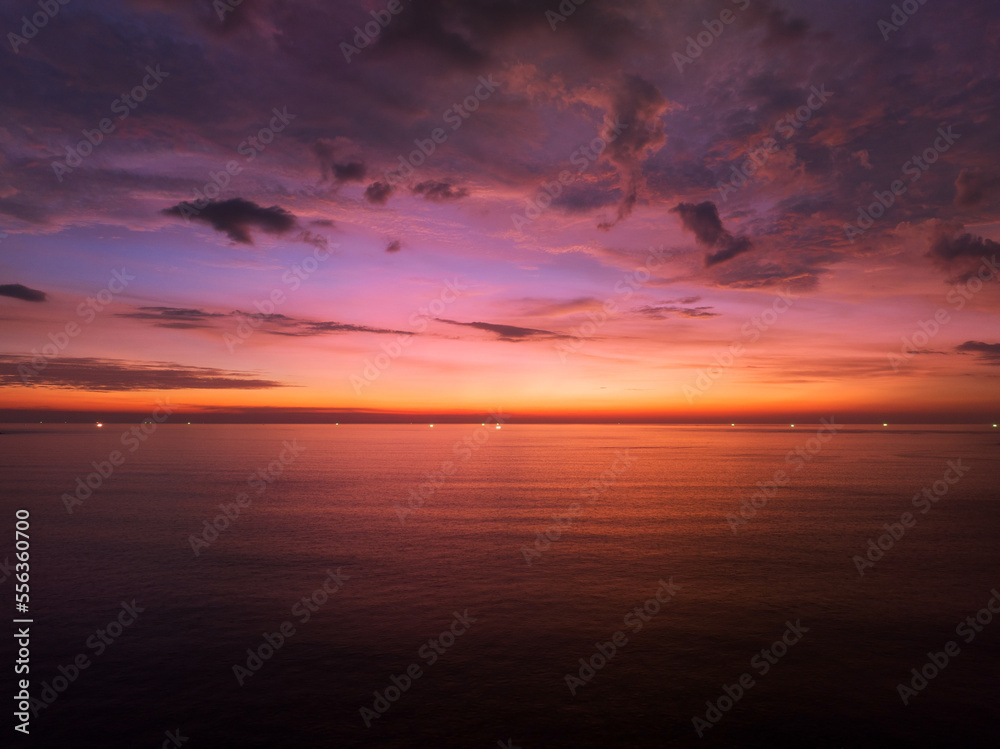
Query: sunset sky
{"points": [[387, 209]]}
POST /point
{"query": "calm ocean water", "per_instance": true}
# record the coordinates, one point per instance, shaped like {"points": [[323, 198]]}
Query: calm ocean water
{"points": [[659, 514]]}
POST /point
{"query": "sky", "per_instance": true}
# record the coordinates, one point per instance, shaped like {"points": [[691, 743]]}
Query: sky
{"points": [[610, 210]]}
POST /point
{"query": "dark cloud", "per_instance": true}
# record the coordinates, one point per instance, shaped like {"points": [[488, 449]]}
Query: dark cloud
{"points": [[439, 191], [703, 221], [31, 214], [510, 333], [107, 375], [319, 241], [637, 105], [394, 246], [733, 246], [289, 326], [665, 310], [236, 217], [782, 29], [353, 171], [172, 317], [337, 170], [950, 243], [467, 34], [988, 352], [178, 318], [975, 186], [634, 131], [19, 291], [442, 28], [378, 193], [181, 318]]}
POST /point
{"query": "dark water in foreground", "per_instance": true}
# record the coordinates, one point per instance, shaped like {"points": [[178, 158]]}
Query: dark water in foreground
{"points": [[662, 516]]}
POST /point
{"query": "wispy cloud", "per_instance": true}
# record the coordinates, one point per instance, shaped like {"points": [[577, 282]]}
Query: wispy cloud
{"points": [[174, 317], [106, 375], [511, 333]]}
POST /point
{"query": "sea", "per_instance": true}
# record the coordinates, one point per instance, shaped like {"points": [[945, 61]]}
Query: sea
{"points": [[460, 585]]}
